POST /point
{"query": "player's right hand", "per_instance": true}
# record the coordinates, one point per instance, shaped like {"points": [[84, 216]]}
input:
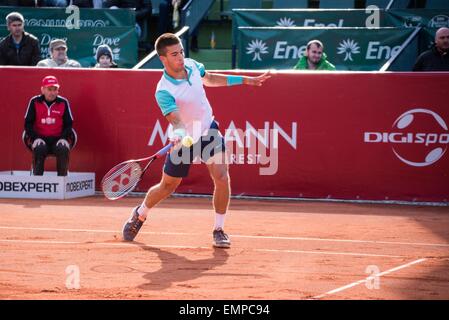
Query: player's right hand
{"points": [[176, 139], [37, 142]]}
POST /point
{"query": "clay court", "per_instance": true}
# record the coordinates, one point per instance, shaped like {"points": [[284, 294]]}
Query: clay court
{"points": [[280, 250]]}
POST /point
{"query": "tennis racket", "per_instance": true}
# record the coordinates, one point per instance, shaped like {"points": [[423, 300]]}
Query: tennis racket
{"points": [[124, 177]]}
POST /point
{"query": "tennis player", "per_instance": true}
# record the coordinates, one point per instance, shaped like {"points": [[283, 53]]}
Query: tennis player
{"points": [[181, 97]]}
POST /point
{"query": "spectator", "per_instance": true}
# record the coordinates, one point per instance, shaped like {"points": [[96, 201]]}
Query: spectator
{"points": [[167, 23], [48, 124], [166, 9], [437, 58], [105, 57], [143, 10], [58, 52], [20, 48], [314, 58]]}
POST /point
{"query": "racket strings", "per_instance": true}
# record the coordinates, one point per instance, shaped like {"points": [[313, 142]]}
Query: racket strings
{"points": [[116, 172], [121, 180]]}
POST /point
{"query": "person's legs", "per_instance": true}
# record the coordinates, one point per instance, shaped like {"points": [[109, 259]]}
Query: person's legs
{"points": [[218, 170], [213, 153], [156, 194], [40, 152], [62, 159], [163, 24]]}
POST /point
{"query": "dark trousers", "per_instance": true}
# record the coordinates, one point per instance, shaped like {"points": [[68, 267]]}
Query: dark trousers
{"points": [[41, 152]]}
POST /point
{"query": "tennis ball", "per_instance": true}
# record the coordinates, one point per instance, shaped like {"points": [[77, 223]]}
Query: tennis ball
{"points": [[187, 141]]}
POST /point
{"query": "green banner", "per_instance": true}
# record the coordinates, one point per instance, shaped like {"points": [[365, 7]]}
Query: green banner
{"points": [[58, 17], [84, 32], [426, 39], [427, 18], [82, 44], [324, 18], [360, 49]]}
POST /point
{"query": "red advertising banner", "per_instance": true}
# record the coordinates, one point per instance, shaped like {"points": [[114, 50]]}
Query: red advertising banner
{"points": [[360, 136]]}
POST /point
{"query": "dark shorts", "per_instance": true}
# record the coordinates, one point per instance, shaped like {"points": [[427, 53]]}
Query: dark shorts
{"points": [[177, 162]]}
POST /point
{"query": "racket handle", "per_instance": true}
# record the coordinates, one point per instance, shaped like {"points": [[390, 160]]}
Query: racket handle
{"points": [[164, 150]]}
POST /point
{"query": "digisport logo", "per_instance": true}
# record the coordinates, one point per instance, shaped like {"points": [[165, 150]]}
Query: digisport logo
{"points": [[419, 137]]}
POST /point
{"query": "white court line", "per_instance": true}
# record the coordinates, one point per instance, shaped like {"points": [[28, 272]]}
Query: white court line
{"points": [[94, 231], [241, 236], [118, 244], [347, 240], [331, 253], [100, 244], [368, 279]]}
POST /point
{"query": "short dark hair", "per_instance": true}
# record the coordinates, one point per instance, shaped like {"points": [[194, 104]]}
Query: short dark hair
{"points": [[318, 43], [13, 17], [164, 41]]}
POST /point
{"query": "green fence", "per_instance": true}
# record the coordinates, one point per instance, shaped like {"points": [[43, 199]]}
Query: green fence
{"points": [[359, 49], [306, 18], [427, 19], [95, 27]]}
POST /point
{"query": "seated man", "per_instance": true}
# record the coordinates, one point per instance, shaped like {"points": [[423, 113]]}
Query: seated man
{"points": [[48, 124], [58, 52], [436, 58], [314, 58]]}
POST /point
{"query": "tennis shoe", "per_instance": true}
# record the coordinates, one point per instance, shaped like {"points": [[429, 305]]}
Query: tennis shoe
{"points": [[132, 226], [221, 239]]}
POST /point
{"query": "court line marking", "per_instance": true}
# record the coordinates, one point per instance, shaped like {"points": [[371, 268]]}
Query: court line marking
{"points": [[241, 236], [353, 284], [99, 244], [347, 240], [95, 230], [191, 247], [331, 253]]}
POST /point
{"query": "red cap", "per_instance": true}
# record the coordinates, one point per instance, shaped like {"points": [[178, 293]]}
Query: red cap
{"points": [[50, 81]]}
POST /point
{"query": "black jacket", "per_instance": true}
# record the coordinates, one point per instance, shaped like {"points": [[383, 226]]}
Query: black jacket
{"points": [[27, 55], [432, 60]]}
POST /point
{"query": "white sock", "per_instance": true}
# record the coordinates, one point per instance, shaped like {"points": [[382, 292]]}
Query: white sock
{"points": [[143, 211], [219, 221]]}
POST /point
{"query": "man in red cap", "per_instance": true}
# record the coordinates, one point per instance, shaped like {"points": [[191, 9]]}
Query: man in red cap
{"points": [[48, 124]]}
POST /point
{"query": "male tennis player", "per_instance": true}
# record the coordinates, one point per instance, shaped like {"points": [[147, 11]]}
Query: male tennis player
{"points": [[181, 97]]}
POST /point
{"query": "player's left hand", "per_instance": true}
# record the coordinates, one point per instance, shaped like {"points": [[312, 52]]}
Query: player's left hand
{"points": [[257, 81]]}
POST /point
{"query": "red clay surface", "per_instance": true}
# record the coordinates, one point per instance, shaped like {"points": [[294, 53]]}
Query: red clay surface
{"points": [[280, 250]]}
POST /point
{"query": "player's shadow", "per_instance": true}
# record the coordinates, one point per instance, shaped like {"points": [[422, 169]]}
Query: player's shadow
{"points": [[176, 268]]}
